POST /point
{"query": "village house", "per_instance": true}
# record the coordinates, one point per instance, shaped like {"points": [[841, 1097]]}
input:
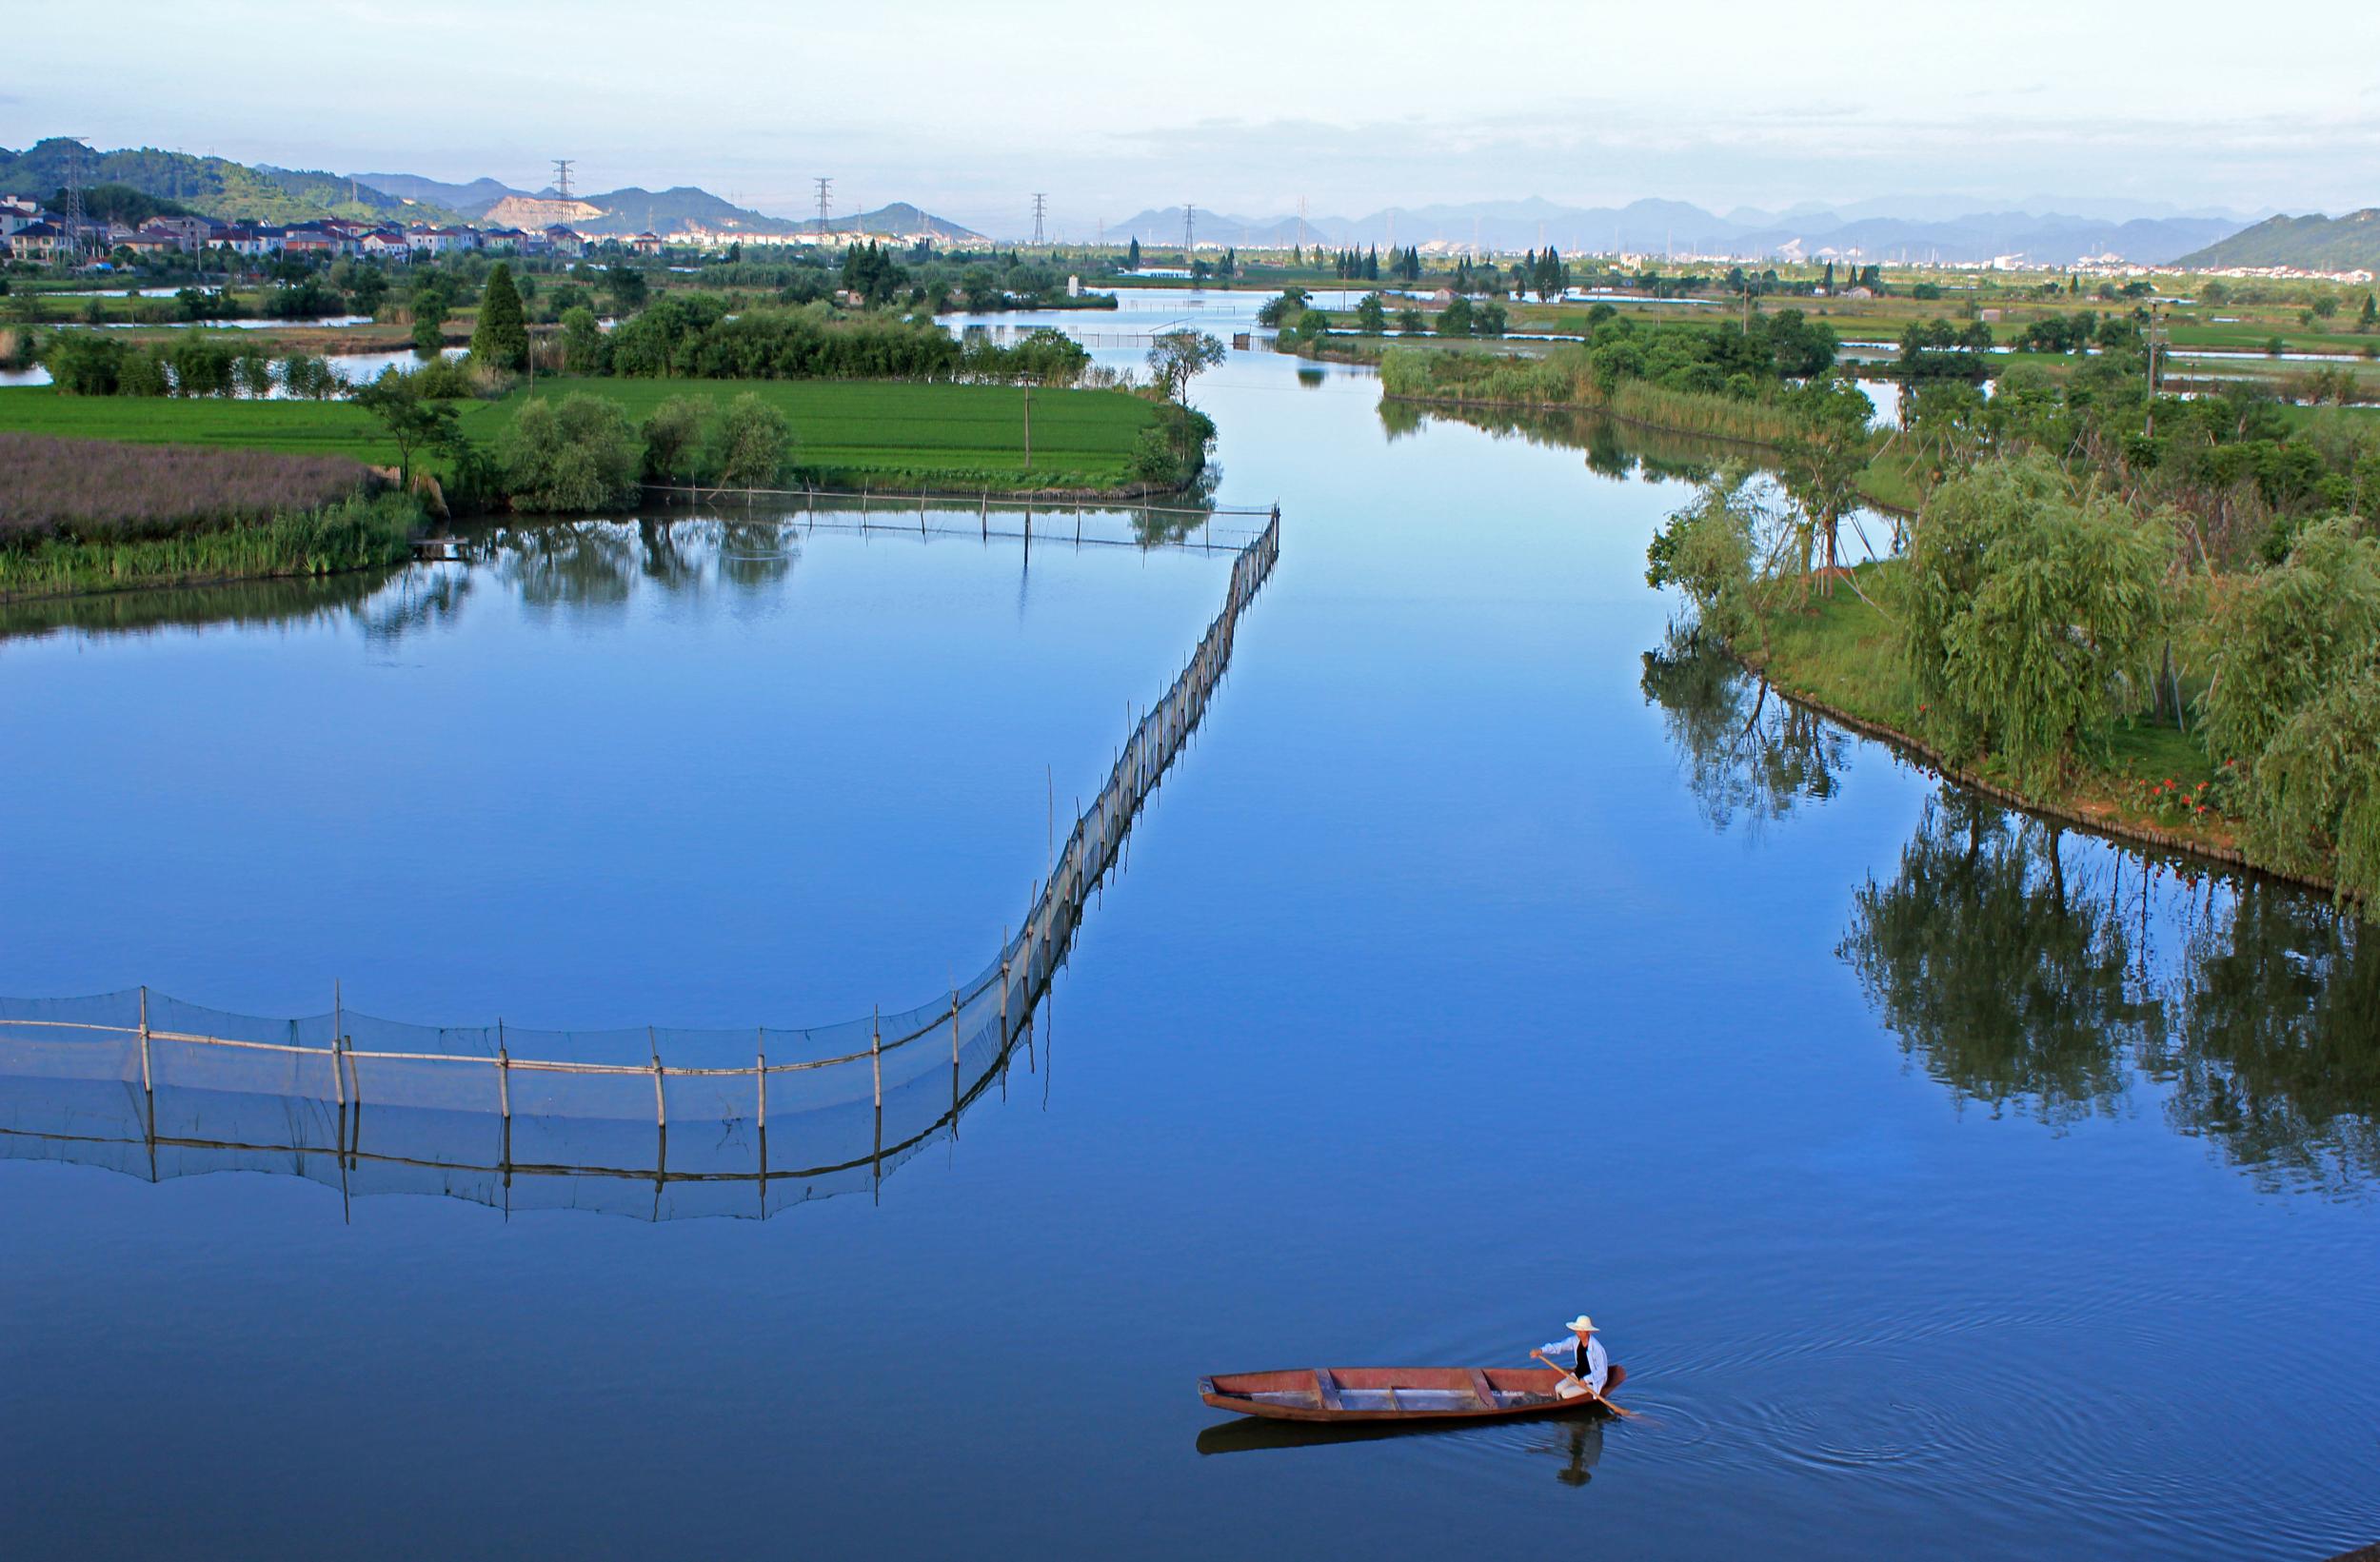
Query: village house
{"points": [[188, 233], [646, 244], [251, 241], [443, 241], [38, 241], [143, 242]]}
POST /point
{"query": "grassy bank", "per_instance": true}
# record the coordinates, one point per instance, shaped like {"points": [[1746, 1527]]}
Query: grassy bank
{"points": [[1840, 653], [847, 433]]}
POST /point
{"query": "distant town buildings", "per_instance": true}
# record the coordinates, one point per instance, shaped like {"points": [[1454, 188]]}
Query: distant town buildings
{"points": [[30, 232]]}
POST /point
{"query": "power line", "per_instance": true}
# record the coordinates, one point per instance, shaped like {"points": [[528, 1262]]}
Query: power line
{"points": [[1040, 203]]}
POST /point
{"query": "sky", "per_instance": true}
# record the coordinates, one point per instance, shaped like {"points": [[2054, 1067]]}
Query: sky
{"points": [[967, 109]]}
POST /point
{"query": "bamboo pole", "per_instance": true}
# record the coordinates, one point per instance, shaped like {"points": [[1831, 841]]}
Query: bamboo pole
{"points": [[876, 1060], [760, 1077], [504, 1084], [147, 1086], [338, 1024], [661, 1111]]}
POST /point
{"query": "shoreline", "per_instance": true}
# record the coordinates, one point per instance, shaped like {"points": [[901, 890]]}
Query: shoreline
{"points": [[2108, 825]]}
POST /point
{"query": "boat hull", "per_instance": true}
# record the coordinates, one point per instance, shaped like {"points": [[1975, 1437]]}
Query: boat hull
{"points": [[1397, 1393]]}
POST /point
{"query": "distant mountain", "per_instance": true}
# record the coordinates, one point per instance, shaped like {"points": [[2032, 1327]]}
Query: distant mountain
{"points": [[214, 185], [1663, 228], [471, 199], [901, 217], [2045, 240], [619, 213], [2313, 243]]}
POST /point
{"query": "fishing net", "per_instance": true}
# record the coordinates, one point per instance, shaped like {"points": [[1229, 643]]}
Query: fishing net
{"points": [[655, 1121]]}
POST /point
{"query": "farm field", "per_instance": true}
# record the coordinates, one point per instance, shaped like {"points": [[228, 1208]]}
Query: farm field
{"points": [[849, 432], [846, 432]]}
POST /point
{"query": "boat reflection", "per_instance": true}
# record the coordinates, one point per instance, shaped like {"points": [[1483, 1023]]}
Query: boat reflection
{"points": [[1575, 1441]]}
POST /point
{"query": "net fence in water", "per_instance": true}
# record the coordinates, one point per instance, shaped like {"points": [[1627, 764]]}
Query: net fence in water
{"points": [[651, 1120]]}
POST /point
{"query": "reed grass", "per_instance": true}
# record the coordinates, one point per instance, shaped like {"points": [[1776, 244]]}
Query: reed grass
{"points": [[357, 532]]}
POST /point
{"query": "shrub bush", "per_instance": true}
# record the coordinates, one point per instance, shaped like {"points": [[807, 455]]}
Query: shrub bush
{"points": [[581, 454]]}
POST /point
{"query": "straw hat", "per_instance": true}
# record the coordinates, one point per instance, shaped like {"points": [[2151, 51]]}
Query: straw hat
{"points": [[1583, 1325]]}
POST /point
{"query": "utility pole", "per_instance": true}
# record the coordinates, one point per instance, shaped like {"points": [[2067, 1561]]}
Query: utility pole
{"points": [[2152, 429], [562, 177], [825, 201], [1040, 203]]}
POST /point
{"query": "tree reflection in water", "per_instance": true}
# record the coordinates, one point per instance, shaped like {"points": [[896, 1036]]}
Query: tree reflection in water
{"points": [[2017, 977], [2276, 1053], [2040, 971], [1746, 749], [1613, 449], [2006, 981]]}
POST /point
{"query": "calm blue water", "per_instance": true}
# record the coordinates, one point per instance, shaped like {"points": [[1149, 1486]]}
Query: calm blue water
{"points": [[1939, 1194]]}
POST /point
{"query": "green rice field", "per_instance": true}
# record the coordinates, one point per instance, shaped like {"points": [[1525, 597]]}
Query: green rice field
{"points": [[847, 433]]}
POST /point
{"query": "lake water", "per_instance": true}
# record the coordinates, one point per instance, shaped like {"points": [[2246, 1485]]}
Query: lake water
{"points": [[1947, 1184]]}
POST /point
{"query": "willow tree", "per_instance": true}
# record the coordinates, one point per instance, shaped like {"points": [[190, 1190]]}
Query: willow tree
{"points": [[2032, 610], [2295, 705]]}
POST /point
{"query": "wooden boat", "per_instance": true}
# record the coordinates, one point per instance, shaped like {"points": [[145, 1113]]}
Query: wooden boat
{"points": [[1396, 1394]]}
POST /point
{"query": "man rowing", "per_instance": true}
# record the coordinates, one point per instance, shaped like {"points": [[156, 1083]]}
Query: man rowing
{"points": [[1584, 1366]]}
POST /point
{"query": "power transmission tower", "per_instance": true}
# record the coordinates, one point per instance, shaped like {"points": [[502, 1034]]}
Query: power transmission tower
{"points": [[562, 177], [75, 225], [1301, 223], [1189, 231], [1040, 203], [826, 200]]}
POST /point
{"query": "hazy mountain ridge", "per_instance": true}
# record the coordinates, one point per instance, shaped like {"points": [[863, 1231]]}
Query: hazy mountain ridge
{"points": [[633, 210], [2313, 243], [1658, 226]]}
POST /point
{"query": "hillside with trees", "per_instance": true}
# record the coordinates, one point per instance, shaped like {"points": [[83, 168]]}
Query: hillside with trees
{"points": [[215, 186], [2313, 243]]}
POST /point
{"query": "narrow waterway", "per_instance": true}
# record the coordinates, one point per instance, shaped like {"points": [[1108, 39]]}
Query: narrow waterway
{"points": [[1944, 1181]]}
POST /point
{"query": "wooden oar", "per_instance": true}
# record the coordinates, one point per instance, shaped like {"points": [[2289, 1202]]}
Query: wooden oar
{"points": [[1592, 1392]]}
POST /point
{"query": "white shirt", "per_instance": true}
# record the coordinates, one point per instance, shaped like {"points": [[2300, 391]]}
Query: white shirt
{"points": [[1565, 1352]]}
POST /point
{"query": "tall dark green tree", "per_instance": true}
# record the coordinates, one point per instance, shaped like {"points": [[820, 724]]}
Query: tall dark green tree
{"points": [[502, 336]]}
